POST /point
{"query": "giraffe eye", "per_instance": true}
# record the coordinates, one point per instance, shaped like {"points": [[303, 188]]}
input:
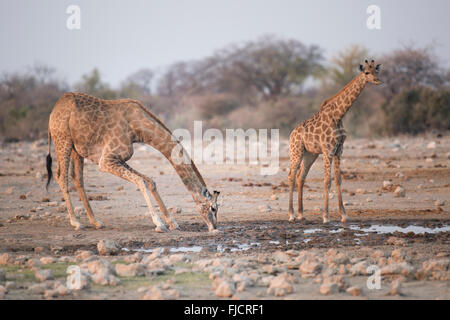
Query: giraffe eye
{"points": [[367, 72]]}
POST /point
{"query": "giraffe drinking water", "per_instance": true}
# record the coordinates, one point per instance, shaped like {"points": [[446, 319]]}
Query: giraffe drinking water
{"points": [[82, 126]]}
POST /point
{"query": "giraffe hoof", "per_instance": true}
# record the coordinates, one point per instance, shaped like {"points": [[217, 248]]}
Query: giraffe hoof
{"points": [[174, 226], [161, 229], [77, 225], [99, 225], [326, 221], [291, 219], [215, 231]]}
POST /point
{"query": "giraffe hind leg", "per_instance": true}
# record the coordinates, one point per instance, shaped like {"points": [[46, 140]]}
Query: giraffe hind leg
{"points": [[77, 176], [63, 148]]}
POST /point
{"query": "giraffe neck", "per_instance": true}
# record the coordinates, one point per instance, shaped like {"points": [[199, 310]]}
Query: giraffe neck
{"points": [[154, 133], [343, 100]]}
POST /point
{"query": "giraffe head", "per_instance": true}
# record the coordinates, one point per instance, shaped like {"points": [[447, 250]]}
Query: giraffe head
{"points": [[209, 208], [370, 71]]}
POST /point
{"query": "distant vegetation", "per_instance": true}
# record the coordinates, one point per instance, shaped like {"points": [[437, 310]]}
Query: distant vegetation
{"points": [[268, 83]]}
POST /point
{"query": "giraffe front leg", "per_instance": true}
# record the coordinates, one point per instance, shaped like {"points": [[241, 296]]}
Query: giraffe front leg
{"points": [[338, 180], [121, 169], [326, 185], [173, 225]]}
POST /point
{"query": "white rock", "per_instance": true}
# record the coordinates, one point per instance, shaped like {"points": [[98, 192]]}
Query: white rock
{"points": [[225, 289], [47, 260], [399, 192], [439, 203], [105, 278], [354, 291], [387, 184], [130, 270], [279, 286], [328, 288], [108, 247], [43, 275], [6, 258], [402, 268], [431, 145], [310, 266]]}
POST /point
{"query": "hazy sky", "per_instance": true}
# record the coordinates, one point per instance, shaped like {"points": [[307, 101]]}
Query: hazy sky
{"points": [[120, 37]]}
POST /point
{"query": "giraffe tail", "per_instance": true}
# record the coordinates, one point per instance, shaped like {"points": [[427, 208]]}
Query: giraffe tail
{"points": [[49, 161]]}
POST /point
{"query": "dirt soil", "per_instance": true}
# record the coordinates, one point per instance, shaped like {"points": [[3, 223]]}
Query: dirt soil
{"points": [[255, 243]]}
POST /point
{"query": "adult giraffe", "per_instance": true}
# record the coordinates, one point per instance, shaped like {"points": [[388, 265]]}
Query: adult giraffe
{"points": [[324, 134], [83, 126]]}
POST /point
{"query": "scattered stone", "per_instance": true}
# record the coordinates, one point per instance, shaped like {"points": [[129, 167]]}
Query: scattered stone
{"points": [[84, 254], [10, 285], [6, 259], [396, 241], [279, 286], [338, 259], [104, 278], [156, 253], [224, 289], [399, 192], [310, 266], [354, 291], [328, 288], [42, 275], [52, 204], [156, 293], [47, 260], [439, 203], [108, 247], [387, 184], [281, 257], [39, 288], [399, 175], [397, 255], [178, 257], [377, 254], [436, 265], [265, 208], [136, 257], [77, 279], [130, 270], [431, 145], [402, 268]]}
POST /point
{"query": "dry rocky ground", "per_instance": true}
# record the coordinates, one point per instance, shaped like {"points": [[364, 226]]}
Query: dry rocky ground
{"points": [[396, 191]]}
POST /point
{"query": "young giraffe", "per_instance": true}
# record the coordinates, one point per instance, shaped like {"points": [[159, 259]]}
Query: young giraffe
{"points": [[83, 126], [324, 134]]}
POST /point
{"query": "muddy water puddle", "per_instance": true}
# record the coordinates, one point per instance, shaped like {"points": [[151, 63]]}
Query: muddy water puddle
{"points": [[351, 234]]}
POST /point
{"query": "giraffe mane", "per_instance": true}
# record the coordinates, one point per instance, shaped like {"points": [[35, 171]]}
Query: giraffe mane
{"points": [[338, 93]]}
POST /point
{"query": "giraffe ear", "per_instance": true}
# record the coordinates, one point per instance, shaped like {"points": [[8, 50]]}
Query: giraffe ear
{"points": [[205, 193], [361, 67], [377, 68]]}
